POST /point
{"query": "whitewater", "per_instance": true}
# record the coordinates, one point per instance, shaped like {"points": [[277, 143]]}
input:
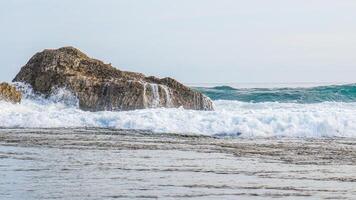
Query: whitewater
{"points": [[284, 116]]}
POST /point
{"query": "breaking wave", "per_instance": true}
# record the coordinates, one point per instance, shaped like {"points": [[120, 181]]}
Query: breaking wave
{"points": [[242, 116]]}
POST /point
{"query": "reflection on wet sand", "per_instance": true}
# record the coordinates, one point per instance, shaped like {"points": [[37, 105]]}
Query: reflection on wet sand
{"points": [[120, 164]]}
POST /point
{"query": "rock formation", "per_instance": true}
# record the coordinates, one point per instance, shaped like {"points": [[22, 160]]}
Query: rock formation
{"points": [[99, 86], [9, 93]]}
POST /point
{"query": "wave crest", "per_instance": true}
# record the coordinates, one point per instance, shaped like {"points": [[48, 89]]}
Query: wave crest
{"points": [[58, 95], [231, 118]]}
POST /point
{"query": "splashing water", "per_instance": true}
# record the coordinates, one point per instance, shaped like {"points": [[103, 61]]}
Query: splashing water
{"points": [[145, 102], [58, 95], [155, 95], [167, 93], [233, 118]]}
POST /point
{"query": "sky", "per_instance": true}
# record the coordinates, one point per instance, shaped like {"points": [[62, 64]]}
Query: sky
{"points": [[193, 41]]}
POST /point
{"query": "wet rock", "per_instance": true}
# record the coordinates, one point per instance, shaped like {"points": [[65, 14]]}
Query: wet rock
{"points": [[99, 86], [9, 93]]}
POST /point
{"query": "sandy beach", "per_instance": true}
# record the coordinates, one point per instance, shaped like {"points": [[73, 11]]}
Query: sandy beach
{"points": [[122, 164]]}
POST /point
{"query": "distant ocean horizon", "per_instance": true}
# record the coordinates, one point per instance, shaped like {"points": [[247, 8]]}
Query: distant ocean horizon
{"points": [[265, 84]]}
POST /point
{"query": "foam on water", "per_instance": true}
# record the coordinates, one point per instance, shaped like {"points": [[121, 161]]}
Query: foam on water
{"points": [[234, 118], [327, 119]]}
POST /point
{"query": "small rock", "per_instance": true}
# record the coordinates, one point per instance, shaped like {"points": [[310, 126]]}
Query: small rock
{"points": [[9, 93]]}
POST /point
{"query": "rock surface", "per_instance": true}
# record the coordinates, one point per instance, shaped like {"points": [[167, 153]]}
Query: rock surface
{"points": [[99, 86], [9, 93]]}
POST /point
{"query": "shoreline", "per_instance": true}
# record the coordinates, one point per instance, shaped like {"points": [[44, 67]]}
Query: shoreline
{"points": [[97, 163]]}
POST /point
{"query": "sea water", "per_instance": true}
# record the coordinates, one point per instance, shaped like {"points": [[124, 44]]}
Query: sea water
{"points": [[96, 163], [323, 111], [288, 143]]}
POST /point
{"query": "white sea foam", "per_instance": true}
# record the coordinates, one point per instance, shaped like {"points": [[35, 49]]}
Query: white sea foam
{"points": [[229, 118]]}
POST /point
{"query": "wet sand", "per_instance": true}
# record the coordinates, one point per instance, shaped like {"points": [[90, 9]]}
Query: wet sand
{"points": [[121, 164]]}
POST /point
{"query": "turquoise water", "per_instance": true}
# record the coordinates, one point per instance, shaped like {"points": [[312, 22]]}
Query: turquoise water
{"points": [[334, 93]]}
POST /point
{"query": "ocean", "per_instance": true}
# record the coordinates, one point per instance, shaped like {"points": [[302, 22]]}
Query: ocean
{"points": [[288, 142], [322, 111]]}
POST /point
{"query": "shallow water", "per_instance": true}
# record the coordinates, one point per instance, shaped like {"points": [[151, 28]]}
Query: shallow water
{"points": [[121, 164]]}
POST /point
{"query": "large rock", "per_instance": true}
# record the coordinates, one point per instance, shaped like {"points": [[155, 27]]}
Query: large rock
{"points": [[99, 86], [9, 93]]}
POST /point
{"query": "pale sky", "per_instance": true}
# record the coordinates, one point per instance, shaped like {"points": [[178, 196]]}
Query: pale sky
{"points": [[194, 41]]}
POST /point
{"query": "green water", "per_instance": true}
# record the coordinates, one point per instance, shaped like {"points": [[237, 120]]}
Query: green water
{"points": [[335, 93]]}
